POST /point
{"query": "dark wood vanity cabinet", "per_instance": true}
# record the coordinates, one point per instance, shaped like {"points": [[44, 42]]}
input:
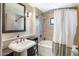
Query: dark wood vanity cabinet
{"points": [[33, 50]]}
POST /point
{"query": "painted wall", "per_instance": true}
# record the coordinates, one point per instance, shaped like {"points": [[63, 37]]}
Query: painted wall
{"points": [[47, 28]]}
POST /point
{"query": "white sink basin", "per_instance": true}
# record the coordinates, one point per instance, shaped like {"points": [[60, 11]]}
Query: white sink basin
{"points": [[18, 46]]}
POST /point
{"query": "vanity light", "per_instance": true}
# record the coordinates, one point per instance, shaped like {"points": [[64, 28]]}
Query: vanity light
{"points": [[28, 14]]}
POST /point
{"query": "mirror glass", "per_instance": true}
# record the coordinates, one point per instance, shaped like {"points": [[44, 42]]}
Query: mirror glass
{"points": [[14, 17]]}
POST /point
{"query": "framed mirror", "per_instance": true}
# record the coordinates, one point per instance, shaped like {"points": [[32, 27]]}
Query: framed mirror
{"points": [[13, 18]]}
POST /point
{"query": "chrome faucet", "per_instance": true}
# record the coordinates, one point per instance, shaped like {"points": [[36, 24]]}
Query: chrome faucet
{"points": [[22, 39]]}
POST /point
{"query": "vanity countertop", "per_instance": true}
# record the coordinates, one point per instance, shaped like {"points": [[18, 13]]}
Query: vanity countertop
{"points": [[21, 46], [7, 41]]}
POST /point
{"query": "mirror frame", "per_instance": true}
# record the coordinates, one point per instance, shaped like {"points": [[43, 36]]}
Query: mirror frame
{"points": [[3, 21]]}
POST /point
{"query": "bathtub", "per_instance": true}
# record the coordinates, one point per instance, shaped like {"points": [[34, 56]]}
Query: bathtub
{"points": [[45, 48]]}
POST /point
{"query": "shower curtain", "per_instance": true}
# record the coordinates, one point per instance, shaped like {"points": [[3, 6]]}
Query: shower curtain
{"points": [[64, 31]]}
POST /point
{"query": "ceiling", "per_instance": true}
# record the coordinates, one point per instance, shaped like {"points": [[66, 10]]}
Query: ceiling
{"points": [[48, 6]]}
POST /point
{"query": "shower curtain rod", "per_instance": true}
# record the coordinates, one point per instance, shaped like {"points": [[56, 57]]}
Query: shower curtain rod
{"points": [[65, 8]]}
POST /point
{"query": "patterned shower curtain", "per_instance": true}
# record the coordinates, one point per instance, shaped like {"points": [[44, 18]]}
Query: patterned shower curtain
{"points": [[64, 31]]}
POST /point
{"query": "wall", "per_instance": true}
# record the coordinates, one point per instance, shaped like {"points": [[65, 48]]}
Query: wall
{"points": [[30, 9], [32, 18], [38, 12], [47, 28]]}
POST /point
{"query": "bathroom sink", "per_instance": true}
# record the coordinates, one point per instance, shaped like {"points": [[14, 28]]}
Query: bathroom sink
{"points": [[21, 45]]}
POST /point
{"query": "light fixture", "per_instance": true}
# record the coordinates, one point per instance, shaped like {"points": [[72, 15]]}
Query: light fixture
{"points": [[28, 14]]}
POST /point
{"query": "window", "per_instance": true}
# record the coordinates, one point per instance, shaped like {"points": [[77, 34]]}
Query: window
{"points": [[51, 21]]}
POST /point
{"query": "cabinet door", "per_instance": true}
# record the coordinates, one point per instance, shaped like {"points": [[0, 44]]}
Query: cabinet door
{"points": [[31, 51]]}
